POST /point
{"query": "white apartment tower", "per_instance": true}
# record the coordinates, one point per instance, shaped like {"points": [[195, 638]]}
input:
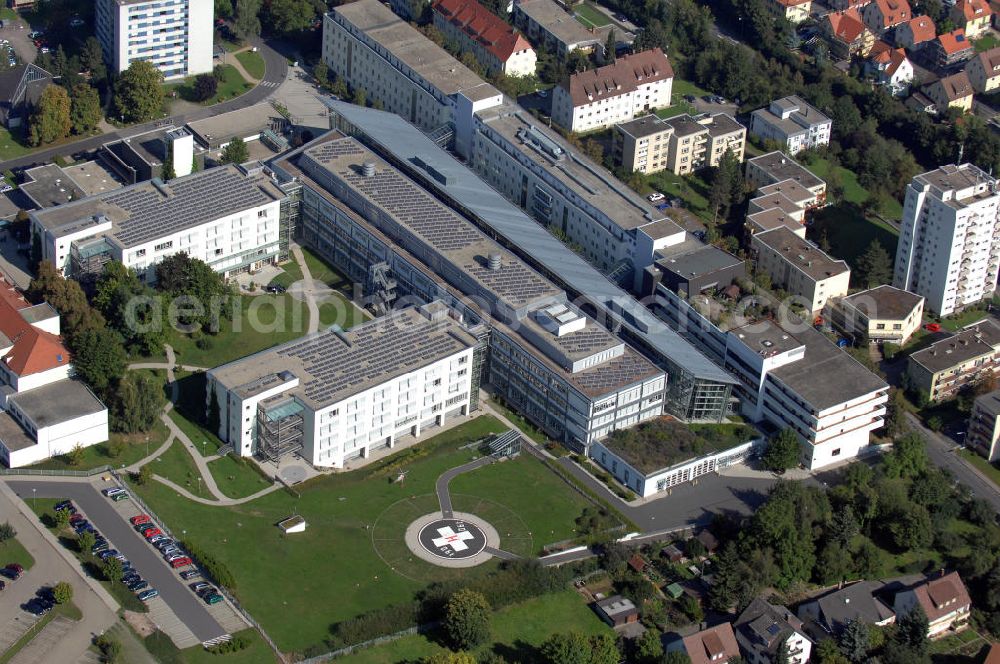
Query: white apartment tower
{"points": [[949, 247], [175, 35]]}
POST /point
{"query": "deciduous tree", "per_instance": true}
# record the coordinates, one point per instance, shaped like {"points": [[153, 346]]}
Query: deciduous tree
{"points": [[235, 152], [467, 619], [85, 542], [567, 648], [205, 87], [85, 109], [62, 592], [139, 92], [51, 119], [113, 570], [247, 23], [783, 451], [99, 358]]}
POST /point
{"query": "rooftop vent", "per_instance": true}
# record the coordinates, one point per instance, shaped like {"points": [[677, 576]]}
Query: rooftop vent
{"points": [[368, 169], [494, 262]]}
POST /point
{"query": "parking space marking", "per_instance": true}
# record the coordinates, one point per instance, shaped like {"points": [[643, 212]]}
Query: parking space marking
{"points": [[44, 641], [15, 628]]}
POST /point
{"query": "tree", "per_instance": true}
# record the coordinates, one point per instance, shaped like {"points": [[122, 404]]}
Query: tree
{"points": [[727, 184], [7, 532], [110, 647], [676, 657], [75, 455], [827, 652], [874, 267], [322, 73], [67, 297], [359, 97], [85, 109], [467, 619], [286, 16], [62, 519], [99, 358], [62, 592], [449, 658], [235, 152], [85, 542], [113, 570], [908, 457], [91, 56], [224, 8], [835, 563], [144, 475], [911, 528], [912, 632], [139, 92], [205, 87], [855, 642], [649, 647], [610, 47], [895, 418], [135, 404], [246, 23], [603, 649], [783, 451], [50, 120], [566, 648]]}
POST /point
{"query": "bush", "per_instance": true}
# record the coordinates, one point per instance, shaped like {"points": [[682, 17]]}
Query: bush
{"points": [[204, 343], [7, 531], [215, 568], [63, 592], [237, 643], [111, 648]]}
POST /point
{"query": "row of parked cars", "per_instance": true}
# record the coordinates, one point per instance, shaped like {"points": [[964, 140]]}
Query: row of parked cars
{"points": [[102, 549], [175, 556]]}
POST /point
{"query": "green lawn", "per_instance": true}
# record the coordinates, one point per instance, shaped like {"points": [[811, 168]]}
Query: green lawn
{"points": [[517, 631], [189, 412], [133, 448], [176, 465], [986, 43], [682, 87], [291, 274], [850, 233], [13, 551], [252, 62], [590, 16], [11, 148], [679, 108], [164, 651], [957, 321], [231, 85], [853, 191], [236, 478], [230, 46], [337, 307], [340, 509], [982, 465], [521, 423], [691, 189]]}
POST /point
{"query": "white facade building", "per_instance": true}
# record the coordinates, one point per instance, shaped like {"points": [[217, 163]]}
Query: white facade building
{"points": [[793, 123], [371, 48], [949, 247], [175, 35], [631, 86], [338, 396], [227, 216], [763, 629]]}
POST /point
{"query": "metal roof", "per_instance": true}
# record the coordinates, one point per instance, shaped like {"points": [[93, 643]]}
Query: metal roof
{"points": [[397, 137]]}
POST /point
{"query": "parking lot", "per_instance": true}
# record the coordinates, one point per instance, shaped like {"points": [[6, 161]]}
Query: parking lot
{"points": [[178, 611]]}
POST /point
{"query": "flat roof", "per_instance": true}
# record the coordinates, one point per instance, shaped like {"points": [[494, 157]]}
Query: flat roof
{"points": [[332, 365], [975, 340], [765, 336], [790, 189], [145, 211], [242, 122], [408, 145], [12, 435], [413, 49], [556, 20], [774, 218], [93, 178], [884, 302], [989, 402], [57, 402], [780, 166], [964, 184], [49, 186], [803, 254], [799, 121], [647, 125], [148, 147], [704, 260]]}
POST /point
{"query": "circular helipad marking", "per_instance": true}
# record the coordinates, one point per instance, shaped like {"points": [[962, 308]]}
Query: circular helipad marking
{"points": [[454, 539]]}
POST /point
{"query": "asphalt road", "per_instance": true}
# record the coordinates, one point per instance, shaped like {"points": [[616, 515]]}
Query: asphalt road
{"points": [[944, 453], [274, 74], [146, 560]]}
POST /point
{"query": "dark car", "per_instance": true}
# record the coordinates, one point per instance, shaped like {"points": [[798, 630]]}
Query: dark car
{"points": [[136, 586], [13, 571], [76, 518], [63, 505], [275, 288], [36, 607], [187, 575]]}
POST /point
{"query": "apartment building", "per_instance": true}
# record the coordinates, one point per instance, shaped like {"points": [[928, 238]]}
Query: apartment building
{"points": [[563, 371], [949, 246], [369, 47], [972, 16], [547, 23], [944, 599], [965, 358], [175, 35], [776, 167], [337, 396], [681, 144], [230, 217], [984, 71], [914, 33], [984, 426], [951, 48], [617, 92], [884, 314], [497, 46], [891, 68], [43, 411], [847, 34], [793, 11], [792, 123], [800, 268], [776, 364], [883, 15], [763, 629]]}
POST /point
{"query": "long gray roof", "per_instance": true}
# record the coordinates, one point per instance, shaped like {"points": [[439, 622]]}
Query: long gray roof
{"points": [[408, 145]]}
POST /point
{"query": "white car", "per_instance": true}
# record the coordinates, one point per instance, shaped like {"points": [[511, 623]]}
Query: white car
{"points": [[655, 197]]}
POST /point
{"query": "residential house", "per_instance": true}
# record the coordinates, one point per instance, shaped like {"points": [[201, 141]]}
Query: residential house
{"points": [[984, 426], [793, 11], [891, 68], [944, 600], [617, 611], [714, 645], [617, 92], [841, 5], [884, 314], [832, 612], [965, 358], [776, 167], [847, 35], [915, 33], [984, 70], [921, 103], [953, 91], [800, 268], [546, 22], [793, 123], [680, 144], [882, 15], [973, 16], [20, 89], [763, 628], [496, 45], [951, 48]]}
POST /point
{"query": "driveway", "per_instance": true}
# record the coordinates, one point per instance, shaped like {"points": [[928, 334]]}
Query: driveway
{"points": [[147, 561]]}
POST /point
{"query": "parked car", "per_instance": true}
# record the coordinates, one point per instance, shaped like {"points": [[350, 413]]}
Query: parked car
{"points": [[275, 288], [36, 607], [118, 497], [655, 196], [104, 555], [187, 575], [214, 598], [12, 571], [199, 586], [76, 518], [147, 595], [183, 561], [152, 532], [138, 585], [137, 520], [3, 585], [112, 491], [160, 541], [63, 505]]}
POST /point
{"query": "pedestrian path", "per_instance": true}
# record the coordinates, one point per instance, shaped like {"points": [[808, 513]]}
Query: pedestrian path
{"points": [[309, 289]]}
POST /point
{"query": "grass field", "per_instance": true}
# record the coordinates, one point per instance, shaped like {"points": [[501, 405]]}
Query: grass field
{"points": [[134, 447], [252, 62], [11, 148], [850, 233], [189, 412], [517, 632], [176, 465], [962, 319], [590, 16], [982, 465], [291, 274], [340, 510], [853, 191], [235, 478], [691, 189], [13, 551], [986, 43], [231, 85]]}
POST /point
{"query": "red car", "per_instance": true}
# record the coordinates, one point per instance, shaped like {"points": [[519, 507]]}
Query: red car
{"points": [[136, 520], [152, 531], [181, 562], [76, 518]]}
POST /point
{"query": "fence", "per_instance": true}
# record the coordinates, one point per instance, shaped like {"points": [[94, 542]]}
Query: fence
{"points": [[222, 589], [58, 473], [348, 650]]}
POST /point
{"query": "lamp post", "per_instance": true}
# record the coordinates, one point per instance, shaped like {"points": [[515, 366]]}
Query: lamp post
{"points": [[34, 502]]}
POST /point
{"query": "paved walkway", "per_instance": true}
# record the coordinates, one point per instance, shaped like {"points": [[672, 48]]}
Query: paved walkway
{"points": [[235, 62], [441, 486], [308, 289]]}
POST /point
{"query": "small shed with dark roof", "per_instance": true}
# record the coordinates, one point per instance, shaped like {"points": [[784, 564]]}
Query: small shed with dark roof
{"points": [[617, 610]]}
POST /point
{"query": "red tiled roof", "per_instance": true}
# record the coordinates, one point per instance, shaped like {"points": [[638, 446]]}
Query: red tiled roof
{"points": [[846, 25], [482, 25], [922, 28], [884, 54], [624, 75], [33, 350], [973, 9], [712, 646], [792, 3], [993, 656], [893, 12], [954, 41], [942, 596]]}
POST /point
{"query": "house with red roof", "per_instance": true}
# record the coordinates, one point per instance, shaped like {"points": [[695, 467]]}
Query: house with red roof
{"points": [[841, 5], [944, 599], [847, 34], [881, 15], [714, 645], [494, 42], [984, 70], [915, 33], [952, 47], [891, 68], [973, 16], [43, 411]]}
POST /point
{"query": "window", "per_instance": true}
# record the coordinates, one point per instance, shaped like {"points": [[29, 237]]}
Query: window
{"points": [[164, 245]]}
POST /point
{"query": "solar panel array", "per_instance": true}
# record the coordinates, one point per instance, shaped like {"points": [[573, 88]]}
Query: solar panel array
{"points": [[614, 374], [513, 281], [334, 366], [329, 151], [192, 201], [587, 341]]}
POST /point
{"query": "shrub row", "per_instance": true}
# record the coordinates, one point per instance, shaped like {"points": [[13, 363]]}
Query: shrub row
{"points": [[215, 568], [237, 643], [622, 493]]}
